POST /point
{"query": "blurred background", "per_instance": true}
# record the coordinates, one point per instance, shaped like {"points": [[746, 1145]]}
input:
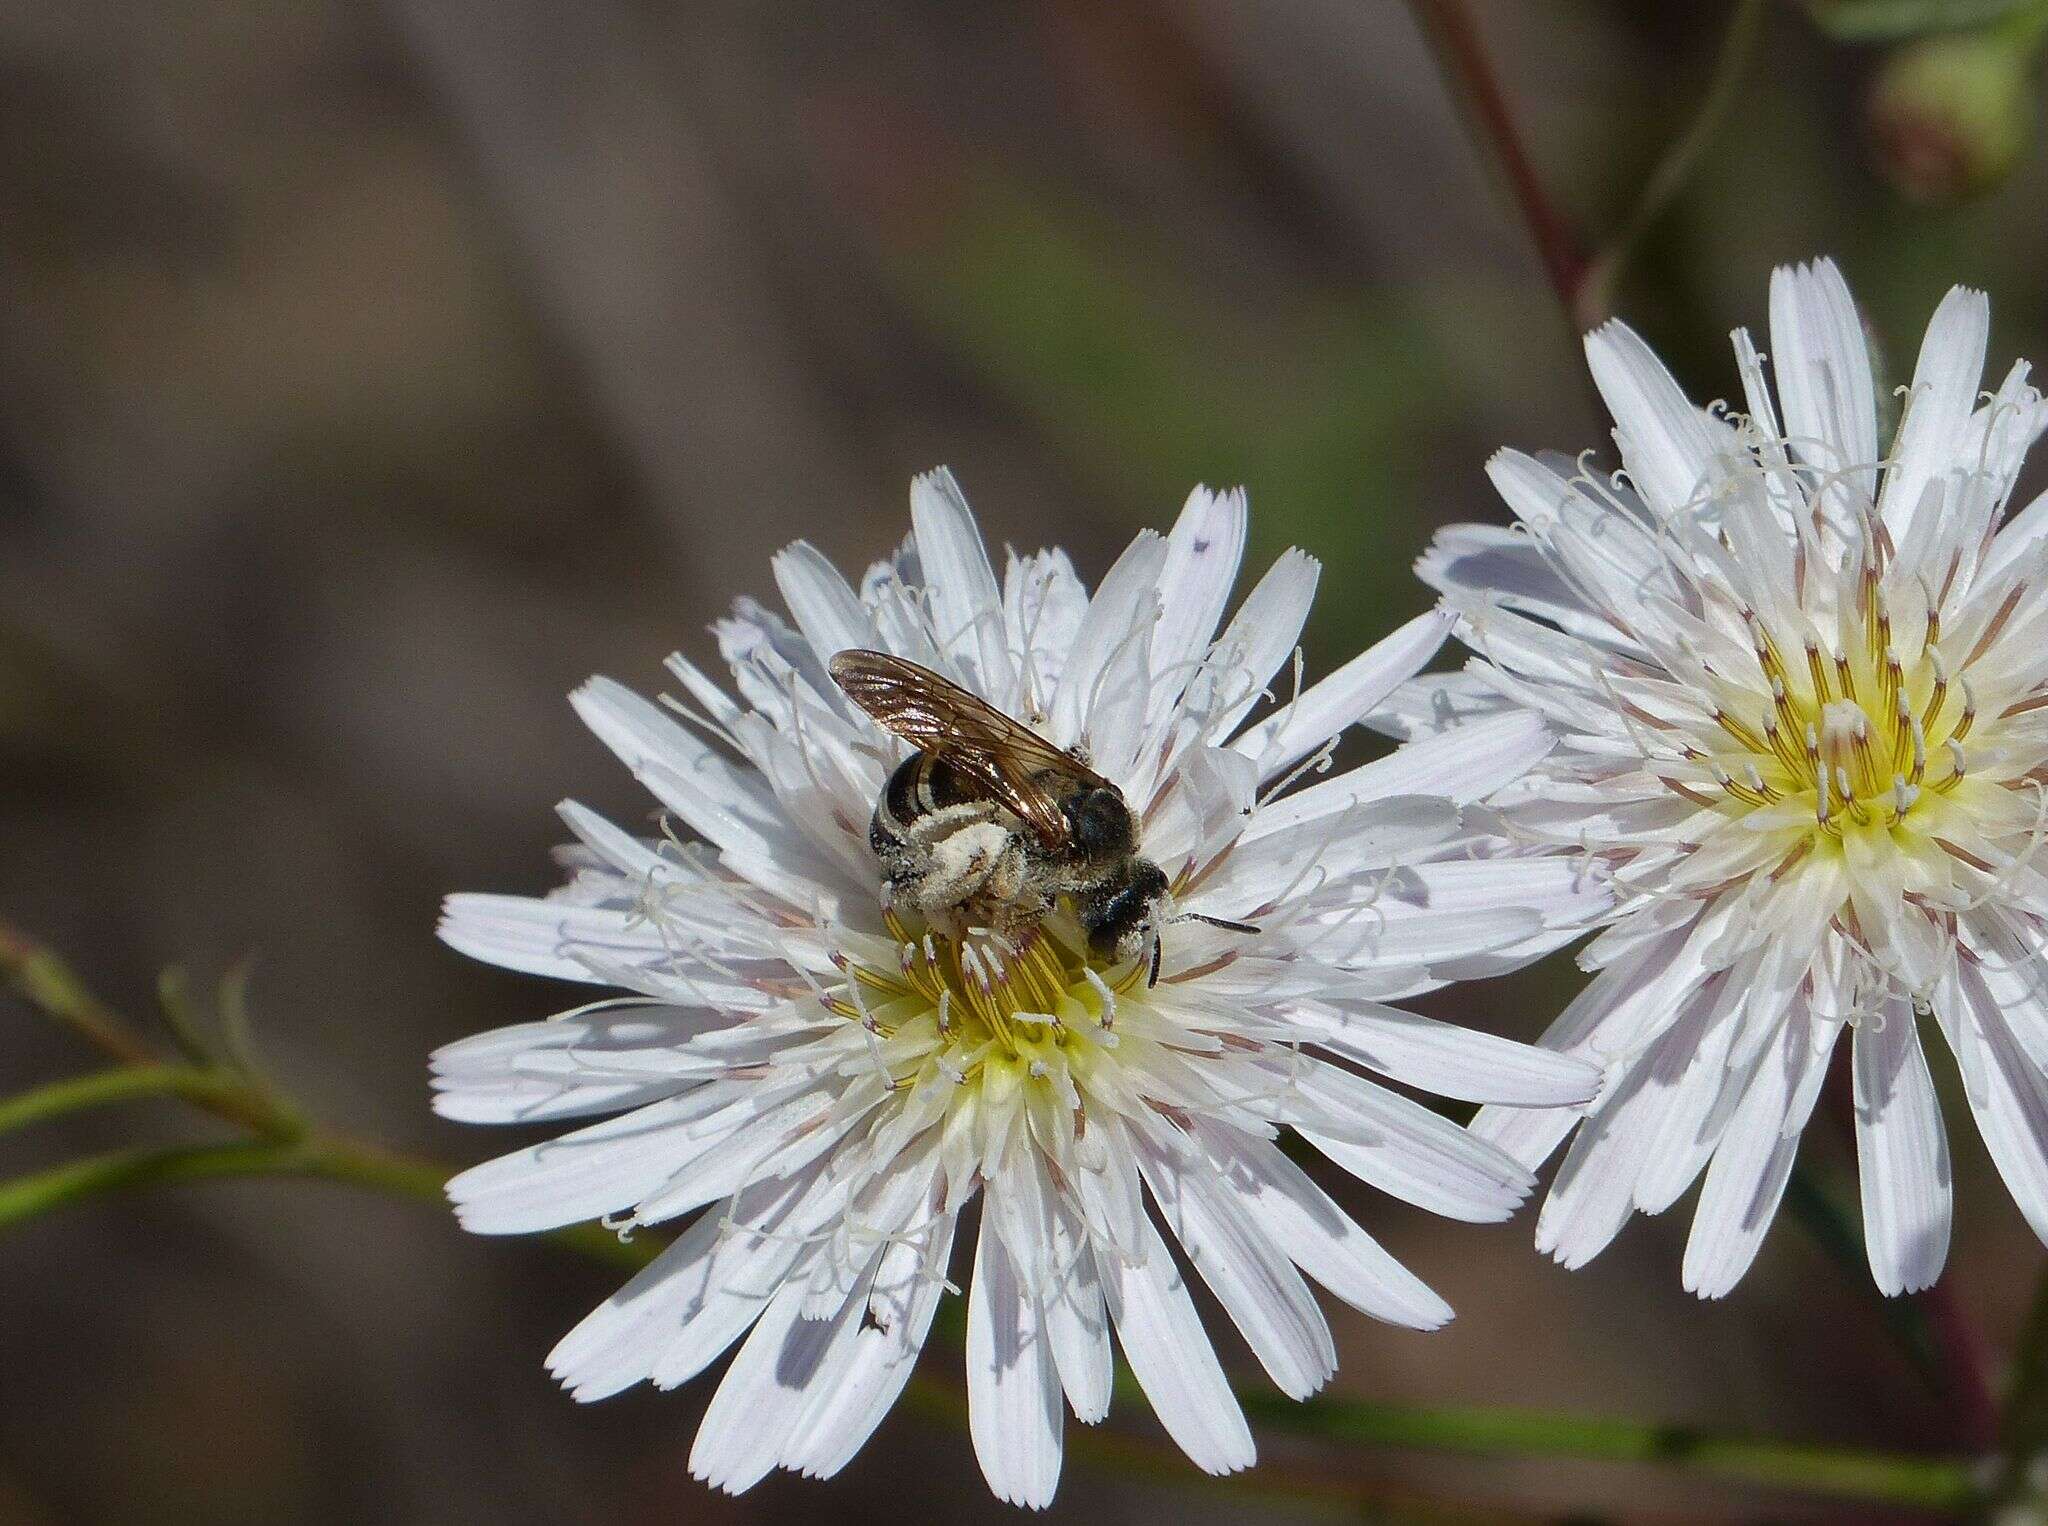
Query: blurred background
{"points": [[373, 372]]}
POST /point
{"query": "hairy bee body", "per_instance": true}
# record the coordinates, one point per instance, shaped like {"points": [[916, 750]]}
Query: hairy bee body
{"points": [[947, 849], [989, 824]]}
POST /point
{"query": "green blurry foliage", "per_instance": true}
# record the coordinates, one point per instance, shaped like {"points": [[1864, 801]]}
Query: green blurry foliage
{"points": [[1892, 20], [1951, 115], [1150, 385]]}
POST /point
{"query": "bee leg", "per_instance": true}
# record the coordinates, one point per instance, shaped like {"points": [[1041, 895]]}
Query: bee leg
{"points": [[901, 871], [960, 867]]}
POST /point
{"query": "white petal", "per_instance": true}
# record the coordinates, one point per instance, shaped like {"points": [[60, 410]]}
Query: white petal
{"points": [[906, 1292], [1172, 1359], [966, 605], [1260, 637], [1318, 1235], [1263, 863], [726, 804], [2021, 536], [1077, 1320], [1750, 1169], [1258, 1287], [617, 1343], [1403, 1148], [1938, 408], [1480, 565], [1013, 1390], [1435, 702], [541, 937], [1823, 370], [1043, 606], [1463, 765], [1329, 706], [1593, 1193], [1901, 1153], [492, 1078], [1596, 1021], [1450, 1061], [1120, 613], [824, 606], [1202, 554], [1691, 1071], [783, 1364], [586, 1174], [2008, 1092], [1668, 445]]}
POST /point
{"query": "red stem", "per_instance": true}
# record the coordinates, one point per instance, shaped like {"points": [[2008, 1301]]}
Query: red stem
{"points": [[1454, 34]]}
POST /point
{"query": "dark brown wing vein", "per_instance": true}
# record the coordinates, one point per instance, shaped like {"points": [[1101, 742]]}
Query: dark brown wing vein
{"points": [[1016, 765]]}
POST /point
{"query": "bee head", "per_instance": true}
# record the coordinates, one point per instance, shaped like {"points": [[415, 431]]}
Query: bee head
{"points": [[1123, 911]]}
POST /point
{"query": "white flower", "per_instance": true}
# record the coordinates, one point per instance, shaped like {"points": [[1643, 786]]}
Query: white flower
{"points": [[1803, 695], [827, 1086]]}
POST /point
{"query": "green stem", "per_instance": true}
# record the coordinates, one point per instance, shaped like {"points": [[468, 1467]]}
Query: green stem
{"points": [[40, 1192], [1724, 87], [327, 1158], [1927, 1483], [210, 1089]]}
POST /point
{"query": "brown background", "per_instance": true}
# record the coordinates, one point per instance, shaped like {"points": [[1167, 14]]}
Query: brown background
{"points": [[370, 373]]}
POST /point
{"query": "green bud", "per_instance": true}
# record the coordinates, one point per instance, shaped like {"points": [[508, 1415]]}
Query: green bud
{"points": [[1950, 115]]}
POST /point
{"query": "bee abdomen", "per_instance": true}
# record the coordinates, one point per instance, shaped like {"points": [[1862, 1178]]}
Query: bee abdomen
{"points": [[921, 786]]}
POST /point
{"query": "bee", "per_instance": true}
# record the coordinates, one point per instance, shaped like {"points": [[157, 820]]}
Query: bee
{"points": [[988, 816]]}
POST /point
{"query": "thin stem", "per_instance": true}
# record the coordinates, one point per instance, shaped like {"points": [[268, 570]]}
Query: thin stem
{"points": [[1931, 1483], [52, 987], [40, 1192], [327, 1158], [1724, 87], [1453, 36], [1583, 284], [207, 1088]]}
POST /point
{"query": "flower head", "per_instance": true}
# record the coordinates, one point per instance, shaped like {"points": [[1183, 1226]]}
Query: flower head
{"points": [[828, 1081], [1802, 690]]}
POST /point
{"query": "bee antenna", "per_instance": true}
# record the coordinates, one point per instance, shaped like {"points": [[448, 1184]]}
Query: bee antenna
{"points": [[1223, 922]]}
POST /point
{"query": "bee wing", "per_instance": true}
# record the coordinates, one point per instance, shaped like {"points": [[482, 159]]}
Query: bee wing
{"points": [[933, 714]]}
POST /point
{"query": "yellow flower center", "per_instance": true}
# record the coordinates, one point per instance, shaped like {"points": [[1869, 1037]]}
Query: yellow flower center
{"points": [[1034, 1007], [1859, 734]]}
